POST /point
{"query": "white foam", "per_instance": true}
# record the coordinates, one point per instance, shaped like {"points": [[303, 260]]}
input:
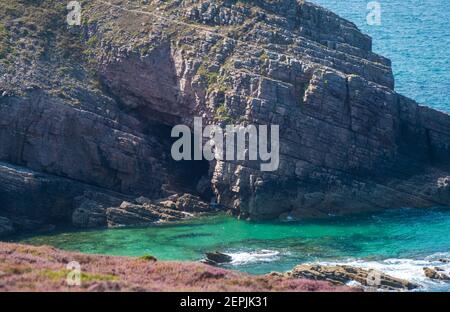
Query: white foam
{"points": [[244, 257]]}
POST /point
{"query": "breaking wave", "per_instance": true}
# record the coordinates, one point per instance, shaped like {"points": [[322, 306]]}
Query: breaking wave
{"points": [[408, 269]]}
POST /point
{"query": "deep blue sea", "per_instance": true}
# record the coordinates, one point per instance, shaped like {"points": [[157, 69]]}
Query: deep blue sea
{"points": [[415, 35]]}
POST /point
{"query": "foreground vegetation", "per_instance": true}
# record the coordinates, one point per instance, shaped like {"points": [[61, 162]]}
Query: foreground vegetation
{"points": [[29, 268]]}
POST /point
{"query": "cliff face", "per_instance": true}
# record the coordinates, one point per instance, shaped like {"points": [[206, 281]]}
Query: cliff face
{"points": [[93, 105]]}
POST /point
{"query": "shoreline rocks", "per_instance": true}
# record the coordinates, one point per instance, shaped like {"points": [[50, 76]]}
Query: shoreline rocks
{"points": [[434, 274], [32, 201], [145, 211], [139, 212], [6, 227], [129, 214], [342, 275]]}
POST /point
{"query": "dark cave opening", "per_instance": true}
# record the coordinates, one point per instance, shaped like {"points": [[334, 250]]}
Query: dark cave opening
{"points": [[183, 175]]}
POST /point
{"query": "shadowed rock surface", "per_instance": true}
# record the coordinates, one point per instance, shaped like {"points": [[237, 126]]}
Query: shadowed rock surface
{"points": [[89, 109]]}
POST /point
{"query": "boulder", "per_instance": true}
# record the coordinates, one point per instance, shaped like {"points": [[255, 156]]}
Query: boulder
{"points": [[433, 273], [217, 258], [343, 274]]}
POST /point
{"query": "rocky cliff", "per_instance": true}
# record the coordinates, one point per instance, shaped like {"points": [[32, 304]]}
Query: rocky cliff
{"points": [[91, 107]]}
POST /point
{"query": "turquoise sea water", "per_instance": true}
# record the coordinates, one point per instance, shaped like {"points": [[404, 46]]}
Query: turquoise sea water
{"points": [[415, 35], [400, 242]]}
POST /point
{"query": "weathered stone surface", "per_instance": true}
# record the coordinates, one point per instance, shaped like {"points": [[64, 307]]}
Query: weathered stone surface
{"points": [[342, 274], [348, 142], [434, 274]]}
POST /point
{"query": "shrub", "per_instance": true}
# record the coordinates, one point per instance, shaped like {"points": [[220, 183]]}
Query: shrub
{"points": [[222, 114], [148, 258], [210, 77]]}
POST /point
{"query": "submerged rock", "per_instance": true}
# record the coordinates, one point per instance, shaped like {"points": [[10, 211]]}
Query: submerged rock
{"points": [[342, 275]]}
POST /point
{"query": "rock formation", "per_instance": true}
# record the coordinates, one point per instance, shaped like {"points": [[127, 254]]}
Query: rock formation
{"points": [[89, 109], [215, 258], [435, 274], [342, 275]]}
